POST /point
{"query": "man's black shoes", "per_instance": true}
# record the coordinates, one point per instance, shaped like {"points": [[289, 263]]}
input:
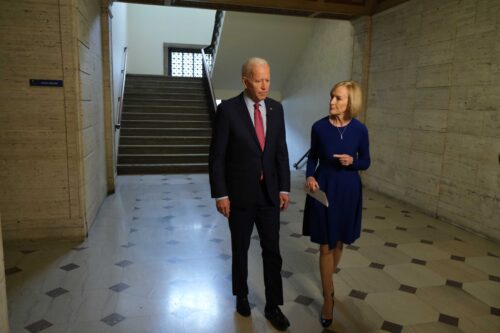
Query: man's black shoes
{"points": [[276, 317], [242, 306]]}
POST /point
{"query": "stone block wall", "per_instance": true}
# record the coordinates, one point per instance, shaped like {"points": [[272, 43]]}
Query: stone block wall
{"points": [[50, 137], [434, 109], [92, 105]]}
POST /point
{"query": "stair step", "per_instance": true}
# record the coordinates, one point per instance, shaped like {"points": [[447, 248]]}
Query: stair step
{"points": [[162, 158], [163, 149], [163, 102], [164, 140], [167, 109], [156, 169], [164, 116], [163, 78], [161, 90], [167, 124], [175, 96], [166, 132]]}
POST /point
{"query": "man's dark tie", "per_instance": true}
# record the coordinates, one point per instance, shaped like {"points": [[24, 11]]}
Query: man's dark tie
{"points": [[259, 126]]}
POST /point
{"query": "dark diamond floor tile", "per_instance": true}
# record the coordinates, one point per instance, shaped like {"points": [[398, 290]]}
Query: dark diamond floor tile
{"points": [[352, 247], [426, 241], [311, 250], [113, 319], [168, 217], [174, 260], [450, 320], [301, 210], [458, 239], [304, 300], [286, 274], [370, 231], [455, 284], [224, 256], [172, 242], [377, 265], [206, 215], [119, 287], [390, 244], [358, 294], [56, 292], [38, 326], [170, 228], [201, 206], [295, 235], [493, 255], [136, 208], [401, 228], [457, 258], [391, 327], [197, 198], [216, 240], [135, 218], [133, 230], [128, 245], [494, 278], [407, 289], [12, 270], [255, 237], [27, 251], [380, 217], [495, 311], [337, 270], [124, 263], [405, 211], [284, 222], [408, 216], [419, 262], [69, 267], [208, 226], [431, 226]]}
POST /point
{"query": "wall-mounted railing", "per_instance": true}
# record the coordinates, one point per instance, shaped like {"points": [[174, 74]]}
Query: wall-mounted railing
{"points": [[122, 90], [297, 165], [207, 74]]}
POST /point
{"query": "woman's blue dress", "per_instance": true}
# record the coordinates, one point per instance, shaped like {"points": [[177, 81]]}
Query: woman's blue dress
{"points": [[341, 221]]}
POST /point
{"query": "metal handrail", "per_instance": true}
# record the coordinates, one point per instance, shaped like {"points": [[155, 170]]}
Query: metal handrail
{"points": [[209, 80], [296, 165], [122, 90]]}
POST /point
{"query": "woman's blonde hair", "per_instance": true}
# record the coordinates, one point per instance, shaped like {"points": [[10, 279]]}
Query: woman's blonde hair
{"points": [[355, 97]]}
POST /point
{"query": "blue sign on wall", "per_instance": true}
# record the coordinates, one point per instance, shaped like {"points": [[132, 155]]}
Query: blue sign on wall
{"points": [[46, 83]]}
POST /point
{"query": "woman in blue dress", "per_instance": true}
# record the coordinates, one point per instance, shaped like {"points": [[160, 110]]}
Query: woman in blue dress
{"points": [[339, 149]]}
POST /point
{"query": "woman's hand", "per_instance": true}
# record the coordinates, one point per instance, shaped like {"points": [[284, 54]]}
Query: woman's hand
{"points": [[311, 184], [344, 159]]}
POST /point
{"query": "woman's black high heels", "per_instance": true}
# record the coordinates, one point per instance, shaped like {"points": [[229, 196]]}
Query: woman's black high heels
{"points": [[327, 322]]}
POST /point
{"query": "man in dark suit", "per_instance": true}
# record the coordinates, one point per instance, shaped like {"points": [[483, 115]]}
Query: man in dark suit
{"points": [[250, 180]]}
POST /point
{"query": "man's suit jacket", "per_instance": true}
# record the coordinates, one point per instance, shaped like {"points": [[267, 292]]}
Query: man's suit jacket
{"points": [[236, 160]]}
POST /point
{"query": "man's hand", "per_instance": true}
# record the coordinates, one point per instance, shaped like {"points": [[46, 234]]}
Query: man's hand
{"points": [[284, 198], [223, 206]]}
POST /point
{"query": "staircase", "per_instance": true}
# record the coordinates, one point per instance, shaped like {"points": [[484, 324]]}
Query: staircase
{"points": [[165, 126]]}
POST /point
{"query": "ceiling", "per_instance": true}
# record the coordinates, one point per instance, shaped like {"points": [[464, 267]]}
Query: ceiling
{"points": [[333, 9]]}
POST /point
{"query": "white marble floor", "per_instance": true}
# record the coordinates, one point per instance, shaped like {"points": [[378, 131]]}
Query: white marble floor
{"points": [[158, 260]]}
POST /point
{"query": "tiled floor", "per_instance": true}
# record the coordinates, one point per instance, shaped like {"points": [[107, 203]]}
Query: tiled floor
{"points": [[158, 260]]}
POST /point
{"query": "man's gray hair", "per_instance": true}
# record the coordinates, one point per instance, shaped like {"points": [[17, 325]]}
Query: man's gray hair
{"points": [[246, 69]]}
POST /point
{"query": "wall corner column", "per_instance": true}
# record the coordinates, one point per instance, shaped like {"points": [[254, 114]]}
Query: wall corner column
{"points": [[4, 318]]}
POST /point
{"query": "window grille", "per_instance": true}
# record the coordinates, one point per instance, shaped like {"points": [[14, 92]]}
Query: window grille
{"points": [[187, 62]]}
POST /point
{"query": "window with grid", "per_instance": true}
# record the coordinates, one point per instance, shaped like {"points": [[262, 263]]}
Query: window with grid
{"points": [[186, 62]]}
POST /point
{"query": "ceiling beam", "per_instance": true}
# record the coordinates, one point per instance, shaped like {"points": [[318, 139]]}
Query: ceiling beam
{"points": [[312, 6]]}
